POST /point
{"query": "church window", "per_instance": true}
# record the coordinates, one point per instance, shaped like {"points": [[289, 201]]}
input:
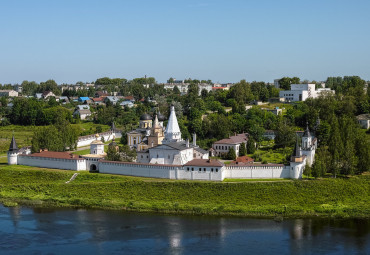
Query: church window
{"points": [[147, 156], [200, 169], [192, 169], [204, 169], [187, 169], [211, 169], [216, 169]]}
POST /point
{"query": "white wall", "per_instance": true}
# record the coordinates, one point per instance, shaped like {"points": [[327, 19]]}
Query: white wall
{"points": [[87, 140], [256, 172], [67, 164], [158, 171]]}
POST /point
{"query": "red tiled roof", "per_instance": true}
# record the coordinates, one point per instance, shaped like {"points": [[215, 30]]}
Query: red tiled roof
{"points": [[54, 154], [204, 162], [244, 159], [98, 99]]}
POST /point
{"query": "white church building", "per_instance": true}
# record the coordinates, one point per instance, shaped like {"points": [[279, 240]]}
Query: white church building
{"points": [[174, 158]]}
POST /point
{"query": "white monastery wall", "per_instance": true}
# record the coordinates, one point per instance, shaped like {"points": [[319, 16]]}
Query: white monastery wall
{"points": [[256, 172], [66, 164], [87, 140]]}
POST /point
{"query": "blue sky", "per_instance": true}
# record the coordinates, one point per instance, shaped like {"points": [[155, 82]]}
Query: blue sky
{"points": [[224, 41]]}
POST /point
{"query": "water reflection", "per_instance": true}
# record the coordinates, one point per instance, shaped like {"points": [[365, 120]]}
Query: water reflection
{"points": [[58, 231]]}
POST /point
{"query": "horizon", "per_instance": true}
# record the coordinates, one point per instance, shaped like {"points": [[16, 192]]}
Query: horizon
{"points": [[70, 41]]}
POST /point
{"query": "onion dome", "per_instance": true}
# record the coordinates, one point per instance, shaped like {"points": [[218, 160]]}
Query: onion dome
{"points": [[145, 116], [160, 116]]}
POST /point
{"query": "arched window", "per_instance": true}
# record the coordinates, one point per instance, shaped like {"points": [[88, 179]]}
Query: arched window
{"points": [[204, 169], [211, 169], [216, 169]]}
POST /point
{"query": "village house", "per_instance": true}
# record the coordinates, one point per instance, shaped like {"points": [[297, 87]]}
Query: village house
{"points": [[364, 120], [8, 93], [82, 113], [223, 146]]}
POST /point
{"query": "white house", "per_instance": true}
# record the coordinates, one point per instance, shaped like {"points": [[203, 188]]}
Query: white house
{"points": [[8, 93], [300, 92], [223, 146], [364, 120]]}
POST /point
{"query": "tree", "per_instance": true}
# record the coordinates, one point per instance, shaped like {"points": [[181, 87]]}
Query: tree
{"points": [[126, 153], [251, 147], [285, 135], [113, 154], [242, 150], [231, 154], [176, 90]]}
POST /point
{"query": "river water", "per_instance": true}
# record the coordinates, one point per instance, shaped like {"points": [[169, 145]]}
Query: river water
{"points": [[54, 231]]}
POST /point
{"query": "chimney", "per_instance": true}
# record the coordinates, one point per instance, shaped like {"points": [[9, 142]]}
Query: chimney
{"points": [[187, 143], [195, 139]]}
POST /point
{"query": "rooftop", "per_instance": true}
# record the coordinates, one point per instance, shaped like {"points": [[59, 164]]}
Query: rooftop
{"points": [[204, 162], [54, 154], [236, 139]]}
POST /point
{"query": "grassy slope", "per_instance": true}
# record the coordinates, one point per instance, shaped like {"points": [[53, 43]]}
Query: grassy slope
{"points": [[23, 134], [328, 197]]}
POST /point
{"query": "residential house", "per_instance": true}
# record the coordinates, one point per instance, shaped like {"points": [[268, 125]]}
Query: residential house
{"points": [[223, 146], [112, 99], [85, 100], [98, 101], [47, 94], [83, 107], [85, 113], [129, 104], [8, 93], [364, 120], [101, 94], [63, 100]]}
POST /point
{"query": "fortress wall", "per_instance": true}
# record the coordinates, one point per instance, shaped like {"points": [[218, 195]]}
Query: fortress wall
{"points": [[87, 140], [157, 171], [66, 164], [256, 172]]}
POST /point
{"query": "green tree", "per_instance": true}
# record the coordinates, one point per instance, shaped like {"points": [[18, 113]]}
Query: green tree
{"points": [[242, 150], [113, 154], [251, 147], [231, 154]]}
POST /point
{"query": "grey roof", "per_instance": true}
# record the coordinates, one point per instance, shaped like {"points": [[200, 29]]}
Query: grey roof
{"points": [[179, 145], [13, 145], [201, 150], [160, 116], [297, 150], [307, 132], [145, 116]]}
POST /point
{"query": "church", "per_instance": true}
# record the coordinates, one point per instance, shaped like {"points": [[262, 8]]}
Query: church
{"points": [[167, 147]]}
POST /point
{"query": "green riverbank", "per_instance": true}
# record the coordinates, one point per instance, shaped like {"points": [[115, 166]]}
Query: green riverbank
{"points": [[326, 197]]}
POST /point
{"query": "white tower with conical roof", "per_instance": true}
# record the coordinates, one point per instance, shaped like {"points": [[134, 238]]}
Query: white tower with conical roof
{"points": [[172, 133], [13, 153]]}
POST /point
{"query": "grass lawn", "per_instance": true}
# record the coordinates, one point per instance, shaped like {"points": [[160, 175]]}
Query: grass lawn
{"points": [[265, 198], [23, 134]]}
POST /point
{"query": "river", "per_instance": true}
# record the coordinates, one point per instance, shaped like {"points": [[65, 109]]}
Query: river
{"points": [[67, 231]]}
